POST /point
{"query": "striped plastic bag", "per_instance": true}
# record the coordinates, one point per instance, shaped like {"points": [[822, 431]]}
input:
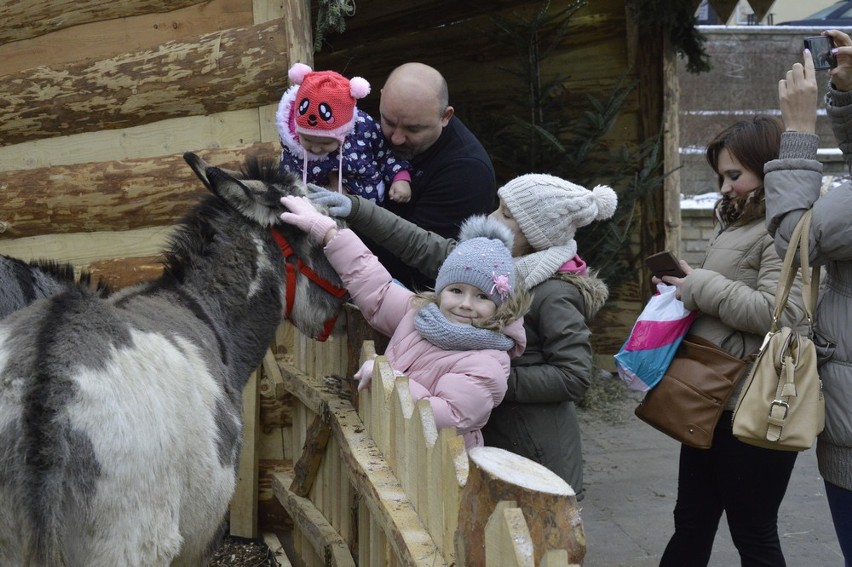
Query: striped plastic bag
{"points": [[654, 340]]}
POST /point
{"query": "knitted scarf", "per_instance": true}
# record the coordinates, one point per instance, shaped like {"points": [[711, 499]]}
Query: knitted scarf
{"points": [[434, 327], [538, 266]]}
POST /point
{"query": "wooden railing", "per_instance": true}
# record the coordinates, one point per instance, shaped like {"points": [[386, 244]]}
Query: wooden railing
{"points": [[381, 485]]}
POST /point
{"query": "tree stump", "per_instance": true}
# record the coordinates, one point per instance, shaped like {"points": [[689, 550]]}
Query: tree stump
{"points": [[548, 503]]}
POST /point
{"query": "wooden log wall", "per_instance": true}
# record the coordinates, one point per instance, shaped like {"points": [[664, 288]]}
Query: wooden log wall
{"points": [[92, 135]]}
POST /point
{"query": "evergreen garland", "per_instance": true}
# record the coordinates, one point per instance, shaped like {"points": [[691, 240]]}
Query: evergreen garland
{"points": [[677, 17], [330, 16]]}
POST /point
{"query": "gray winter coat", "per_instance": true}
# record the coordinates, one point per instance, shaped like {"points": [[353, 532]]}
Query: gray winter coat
{"points": [[537, 418], [793, 185]]}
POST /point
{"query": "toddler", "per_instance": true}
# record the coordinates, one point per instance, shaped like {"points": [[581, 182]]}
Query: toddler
{"points": [[317, 118]]}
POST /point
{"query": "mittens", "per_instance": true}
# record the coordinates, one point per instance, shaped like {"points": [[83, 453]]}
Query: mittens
{"points": [[339, 206], [305, 217]]}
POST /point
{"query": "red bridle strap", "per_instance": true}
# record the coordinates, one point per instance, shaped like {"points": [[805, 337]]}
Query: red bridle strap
{"points": [[293, 264]]}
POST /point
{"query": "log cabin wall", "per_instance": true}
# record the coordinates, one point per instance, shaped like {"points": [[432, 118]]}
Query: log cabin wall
{"points": [[101, 99], [457, 38]]}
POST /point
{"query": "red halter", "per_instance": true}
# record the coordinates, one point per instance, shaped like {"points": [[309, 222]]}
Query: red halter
{"points": [[293, 264]]}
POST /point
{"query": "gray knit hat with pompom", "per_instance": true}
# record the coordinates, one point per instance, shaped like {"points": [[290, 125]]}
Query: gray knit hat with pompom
{"points": [[482, 259], [549, 210]]}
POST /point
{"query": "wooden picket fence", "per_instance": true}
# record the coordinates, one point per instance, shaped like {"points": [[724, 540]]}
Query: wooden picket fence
{"points": [[381, 485]]}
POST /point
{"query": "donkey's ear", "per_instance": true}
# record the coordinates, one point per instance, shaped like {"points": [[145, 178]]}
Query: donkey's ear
{"points": [[199, 166]]}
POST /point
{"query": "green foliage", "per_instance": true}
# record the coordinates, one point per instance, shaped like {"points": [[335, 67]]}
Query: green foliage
{"points": [[541, 130], [330, 16], [677, 17]]}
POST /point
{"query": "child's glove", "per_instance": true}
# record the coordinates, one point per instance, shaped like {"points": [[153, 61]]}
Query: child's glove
{"points": [[364, 376], [306, 218], [338, 205]]}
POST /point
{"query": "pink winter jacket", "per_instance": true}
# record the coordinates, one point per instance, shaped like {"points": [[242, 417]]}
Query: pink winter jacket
{"points": [[462, 386]]}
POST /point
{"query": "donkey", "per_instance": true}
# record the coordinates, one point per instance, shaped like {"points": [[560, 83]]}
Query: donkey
{"points": [[120, 416], [21, 282]]}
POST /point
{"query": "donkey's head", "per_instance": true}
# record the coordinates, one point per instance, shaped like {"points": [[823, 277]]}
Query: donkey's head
{"points": [[308, 291]]}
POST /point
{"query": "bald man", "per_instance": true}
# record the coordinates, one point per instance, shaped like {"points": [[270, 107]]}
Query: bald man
{"points": [[452, 176]]}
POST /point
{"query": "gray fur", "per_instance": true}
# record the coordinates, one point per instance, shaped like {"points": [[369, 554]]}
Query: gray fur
{"points": [[120, 415]]}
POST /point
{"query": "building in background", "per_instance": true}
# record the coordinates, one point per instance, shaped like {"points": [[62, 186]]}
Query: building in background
{"points": [[743, 14]]}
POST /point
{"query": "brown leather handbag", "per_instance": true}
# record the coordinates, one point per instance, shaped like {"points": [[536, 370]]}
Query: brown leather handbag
{"points": [[688, 401]]}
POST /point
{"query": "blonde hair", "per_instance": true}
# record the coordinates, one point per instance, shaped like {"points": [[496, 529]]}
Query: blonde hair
{"points": [[515, 307]]}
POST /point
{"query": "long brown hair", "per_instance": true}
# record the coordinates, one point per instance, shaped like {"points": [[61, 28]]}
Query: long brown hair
{"points": [[753, 143]]}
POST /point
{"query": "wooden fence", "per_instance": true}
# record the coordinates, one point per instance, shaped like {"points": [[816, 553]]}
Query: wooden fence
{"points": [[381, 485]]}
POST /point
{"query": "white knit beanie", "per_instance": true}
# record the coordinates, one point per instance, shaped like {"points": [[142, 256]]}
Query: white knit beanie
{"points": [[549, 209]]}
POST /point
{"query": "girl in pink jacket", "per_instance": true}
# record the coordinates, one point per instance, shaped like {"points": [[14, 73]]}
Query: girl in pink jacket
{"points": [[454, 344]]}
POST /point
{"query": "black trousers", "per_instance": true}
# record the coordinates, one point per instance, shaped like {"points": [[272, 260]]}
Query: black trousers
{"points": [[746, 482]]}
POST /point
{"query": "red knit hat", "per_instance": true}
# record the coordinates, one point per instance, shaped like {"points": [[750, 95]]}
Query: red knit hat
{"points": [[325, 101]]}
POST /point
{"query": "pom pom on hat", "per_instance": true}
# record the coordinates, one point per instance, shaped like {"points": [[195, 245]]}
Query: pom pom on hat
{"points": [[325, 101], [549, 209], [482, 259]]}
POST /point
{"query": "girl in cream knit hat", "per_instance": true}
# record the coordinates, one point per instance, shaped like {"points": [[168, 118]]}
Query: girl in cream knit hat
{"points": [[537, 418]]}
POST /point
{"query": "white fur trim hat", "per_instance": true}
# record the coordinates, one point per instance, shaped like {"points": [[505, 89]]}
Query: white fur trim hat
{"points": [[482, 259], [549, 209]]}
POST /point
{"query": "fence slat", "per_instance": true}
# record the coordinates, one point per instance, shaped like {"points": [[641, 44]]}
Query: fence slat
{"points": [[507, 538]]}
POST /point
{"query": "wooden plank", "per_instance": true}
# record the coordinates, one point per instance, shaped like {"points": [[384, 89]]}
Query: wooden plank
{"points": [[671, 152], [312, 524], [110, 195], [123, 27], [507, 538], [305, 470], [276, 549], [31, 19], [244, 503], [227, 70], [81, 249], [297, 27], [166, 137], [271, 515]]}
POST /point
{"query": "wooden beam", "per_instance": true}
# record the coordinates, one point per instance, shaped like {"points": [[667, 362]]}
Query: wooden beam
{"points": [[220, 71], [81, 249], [231, 129], [110, 195], [306, 468], [244, 502], [31, 19], [325, 540], [105, 38]]}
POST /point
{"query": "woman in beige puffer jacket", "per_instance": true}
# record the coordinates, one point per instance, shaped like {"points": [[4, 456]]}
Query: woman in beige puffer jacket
{"points": [[734, 293]]}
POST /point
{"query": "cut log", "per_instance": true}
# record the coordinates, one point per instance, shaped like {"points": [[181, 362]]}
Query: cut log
{"points": [[110, 196], [103, 38], [32, 19], [227, 70], [548, 503]]}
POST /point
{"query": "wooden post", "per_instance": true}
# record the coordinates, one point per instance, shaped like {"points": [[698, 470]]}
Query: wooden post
{"points": [[548, 503], [244, 501]]}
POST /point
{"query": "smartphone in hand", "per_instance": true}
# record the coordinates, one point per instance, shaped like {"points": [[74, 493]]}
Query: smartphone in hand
{"points": [[664, 264], [820, 47]]}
